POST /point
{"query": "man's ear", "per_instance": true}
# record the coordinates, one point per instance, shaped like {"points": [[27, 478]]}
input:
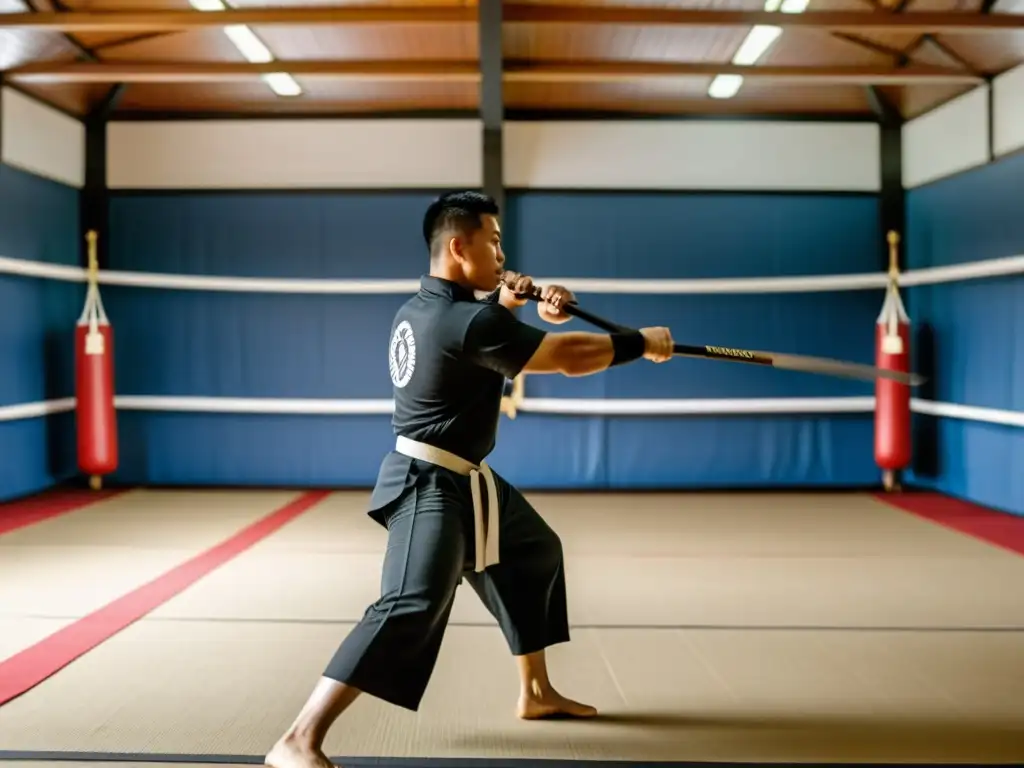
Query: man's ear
{"points": [[456, 248]]}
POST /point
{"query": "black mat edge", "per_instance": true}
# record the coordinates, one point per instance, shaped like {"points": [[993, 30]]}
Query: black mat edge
{"points": [[425, 762]]}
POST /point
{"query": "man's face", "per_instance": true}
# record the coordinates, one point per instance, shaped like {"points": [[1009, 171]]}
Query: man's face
{"points": [[481, 257]]}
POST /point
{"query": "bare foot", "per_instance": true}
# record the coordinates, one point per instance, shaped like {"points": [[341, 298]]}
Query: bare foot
{"points": [[291, 753], [551, 704]]}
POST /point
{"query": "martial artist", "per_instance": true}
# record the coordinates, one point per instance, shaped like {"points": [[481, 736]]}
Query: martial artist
{"points": [[449, 517]]}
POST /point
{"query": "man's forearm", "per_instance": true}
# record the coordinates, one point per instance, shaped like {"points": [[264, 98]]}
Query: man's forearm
{"points": [[582, 353]]}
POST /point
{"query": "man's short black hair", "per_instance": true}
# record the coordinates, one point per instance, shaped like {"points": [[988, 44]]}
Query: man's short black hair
{"points": [[456, 212]]}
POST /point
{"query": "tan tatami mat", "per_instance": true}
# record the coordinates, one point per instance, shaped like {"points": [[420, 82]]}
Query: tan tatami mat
{"points": [[708, 627]]}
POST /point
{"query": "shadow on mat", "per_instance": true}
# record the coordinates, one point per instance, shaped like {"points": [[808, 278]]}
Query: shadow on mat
{"points": [[658, 735]]}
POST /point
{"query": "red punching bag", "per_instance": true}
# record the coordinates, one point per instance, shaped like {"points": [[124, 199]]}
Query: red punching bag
{"points": [[94, 382], [892, 399]]}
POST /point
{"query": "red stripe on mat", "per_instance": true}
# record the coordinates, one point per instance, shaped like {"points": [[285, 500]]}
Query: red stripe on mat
{"points": [[999, 528], [47, 505], [25, 670]]}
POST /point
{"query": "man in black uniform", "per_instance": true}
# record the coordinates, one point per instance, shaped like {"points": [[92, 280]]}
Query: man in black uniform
{"points": [[448, 515]]}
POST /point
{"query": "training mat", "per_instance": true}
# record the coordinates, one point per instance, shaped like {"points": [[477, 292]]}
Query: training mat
{"points": [[663, 560], [101, 760], [67, 567], [741, 695], [19, 633]]}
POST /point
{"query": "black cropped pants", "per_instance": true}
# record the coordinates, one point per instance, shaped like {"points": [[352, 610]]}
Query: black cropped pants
{"points": [[392, 652]]}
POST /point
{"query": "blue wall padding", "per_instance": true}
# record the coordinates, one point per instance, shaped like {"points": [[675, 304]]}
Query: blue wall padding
{"points": [[653, 235], [536, 451], [38, 222], [263, 345], [37, 454], [686, 452], [835, 324], [213, 344], [978, 329], [973, 216], [38, 218], [37, 324], [741, 451], [969, 335], [242, 449], [316, 235]]}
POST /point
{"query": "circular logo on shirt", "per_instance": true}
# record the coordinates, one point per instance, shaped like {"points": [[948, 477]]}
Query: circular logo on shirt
{"points": [[402, 354]]}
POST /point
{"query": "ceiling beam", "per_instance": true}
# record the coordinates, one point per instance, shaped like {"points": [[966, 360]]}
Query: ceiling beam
{"points": [[165, 21], [877, 21], [490, 41], [624, 71], [193, 72], [151, 21], [463, 71]]}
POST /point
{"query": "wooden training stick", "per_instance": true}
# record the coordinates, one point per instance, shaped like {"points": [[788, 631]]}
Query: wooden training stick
{"points": [[806, 363]]}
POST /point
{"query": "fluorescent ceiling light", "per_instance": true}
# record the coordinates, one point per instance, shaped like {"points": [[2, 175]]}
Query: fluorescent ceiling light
{"points": [[253, 49], [283, 84], [248, 44], [786, 6], [794, 6], [758, 41], [725, 86]]}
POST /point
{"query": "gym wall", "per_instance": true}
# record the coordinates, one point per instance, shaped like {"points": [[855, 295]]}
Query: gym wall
{"points": [[964, 173], [343, 200], [703, 200], [41, 174]]}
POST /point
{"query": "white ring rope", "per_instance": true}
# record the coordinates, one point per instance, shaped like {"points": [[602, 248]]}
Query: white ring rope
{"points": [[1011, 265], [695, 406], [582, 407]]}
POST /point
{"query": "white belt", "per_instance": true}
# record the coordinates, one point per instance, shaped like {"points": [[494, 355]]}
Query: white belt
{"points": [[486, 533]]}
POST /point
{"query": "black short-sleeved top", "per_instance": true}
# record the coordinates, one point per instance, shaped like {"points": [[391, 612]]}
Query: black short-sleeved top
{"points": [[448, 357]]}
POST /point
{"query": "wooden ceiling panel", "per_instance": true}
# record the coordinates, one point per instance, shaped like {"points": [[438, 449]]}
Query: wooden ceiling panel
{"points": [[604, 95], [378, 42], [94, 40], [804, 47], [21, 46], [390, 41], [576, 42], [904, 40], [102, 40], [345, 3], [320, 96], [990, 53], [687, 97], [125, 5], [724, 5], [193, 45], [569, 42], [765, 96], [628, 44], [913, 101], [382, 41], [73, 98]]}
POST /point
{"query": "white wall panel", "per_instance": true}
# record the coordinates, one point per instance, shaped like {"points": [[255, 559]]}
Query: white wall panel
{"points": [[41, 140], [723, 155], [947, 140], [1008, 111], [235, 154]]}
